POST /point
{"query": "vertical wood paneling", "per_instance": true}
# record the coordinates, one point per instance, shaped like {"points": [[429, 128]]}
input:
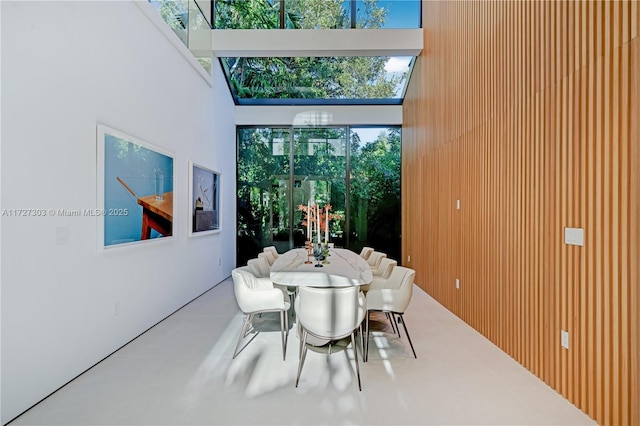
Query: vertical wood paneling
{"points": [[528, 113], [634, 224]]}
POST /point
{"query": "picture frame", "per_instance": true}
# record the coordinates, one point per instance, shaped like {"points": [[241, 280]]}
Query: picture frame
{"points": [[135, 190], [204, 200]]}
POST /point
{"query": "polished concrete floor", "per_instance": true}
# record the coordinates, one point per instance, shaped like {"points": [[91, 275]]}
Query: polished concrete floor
{"points": [[181, 372]]}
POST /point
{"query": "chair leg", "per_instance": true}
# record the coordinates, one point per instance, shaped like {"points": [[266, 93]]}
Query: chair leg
{"points": [[243, 333], [365, 357], [284, 330], [394, 326], [303, 354], [407, 333], [361, 332], [395, 320], [301, 336], [355, 357]]}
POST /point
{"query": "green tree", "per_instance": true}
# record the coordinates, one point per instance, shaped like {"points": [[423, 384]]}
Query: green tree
{"points": [[375, 191], [327, 77]]}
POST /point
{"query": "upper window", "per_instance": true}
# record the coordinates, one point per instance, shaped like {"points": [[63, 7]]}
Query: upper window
{"points": [[316, 14], [337, 80], [317, 80]]}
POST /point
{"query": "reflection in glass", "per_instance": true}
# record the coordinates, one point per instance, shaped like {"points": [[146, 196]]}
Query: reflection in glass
{"points": [[262, 191], [319, 174]]}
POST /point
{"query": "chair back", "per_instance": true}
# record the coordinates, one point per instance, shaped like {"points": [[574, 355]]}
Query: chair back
{"points": [[268, 256], [401, 279], [260, 267], [330, 312], [385, 268], [272, 250], [255, 295], [365, 252], [375, 258]]}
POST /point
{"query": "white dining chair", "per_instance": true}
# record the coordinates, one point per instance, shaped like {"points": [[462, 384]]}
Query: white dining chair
{"points": [[272, 250], [262, 270], [392, 296], [256, 296], [382, 272], [329, 314], [366, 252], [384, 268], [268, 256], [374, 260]]}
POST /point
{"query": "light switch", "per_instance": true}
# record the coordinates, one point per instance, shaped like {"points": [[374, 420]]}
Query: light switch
{"points": [[458, 204], [574, 236]]}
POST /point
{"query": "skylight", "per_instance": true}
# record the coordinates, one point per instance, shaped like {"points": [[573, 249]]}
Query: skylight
{"points": [[317, 79], [323, 80]]}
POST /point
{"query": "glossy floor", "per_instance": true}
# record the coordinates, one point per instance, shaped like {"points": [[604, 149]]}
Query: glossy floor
{"points": [[181, 373]]}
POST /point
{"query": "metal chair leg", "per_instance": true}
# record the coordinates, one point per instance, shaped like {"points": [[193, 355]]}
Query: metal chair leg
{"points": [[394, 325], [284, 330], [302, 356], [243, 333], [407, 333], [395, 320], [365, 357], [355, 357]]}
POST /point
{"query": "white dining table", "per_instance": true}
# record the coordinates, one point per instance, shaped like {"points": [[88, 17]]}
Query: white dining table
{"points": [[345, 268]]}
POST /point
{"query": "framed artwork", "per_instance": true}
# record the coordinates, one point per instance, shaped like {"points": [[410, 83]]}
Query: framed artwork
{"points": [[204, 205], [135, 190]]}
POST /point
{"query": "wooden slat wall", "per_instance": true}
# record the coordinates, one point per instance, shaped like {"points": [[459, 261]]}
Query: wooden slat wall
{"points": [[527, 112]]}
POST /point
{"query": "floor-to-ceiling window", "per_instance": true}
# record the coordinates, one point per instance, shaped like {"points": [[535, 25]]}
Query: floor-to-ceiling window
{"points": [[355, 170], [374, 190]]}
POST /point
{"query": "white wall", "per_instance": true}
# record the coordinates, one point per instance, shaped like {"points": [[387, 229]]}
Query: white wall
{"points": [[67, 66]]}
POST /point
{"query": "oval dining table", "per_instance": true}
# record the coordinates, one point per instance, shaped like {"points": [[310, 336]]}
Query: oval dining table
{"points": [[344, 268]]}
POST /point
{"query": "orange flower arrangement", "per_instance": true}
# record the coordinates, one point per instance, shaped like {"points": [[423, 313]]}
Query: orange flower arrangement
{"points": [[316, 219]]}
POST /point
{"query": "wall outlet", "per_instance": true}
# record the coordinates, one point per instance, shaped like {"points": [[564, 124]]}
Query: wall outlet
{"points": [[63, 235], [564, 339], [457, 283]]}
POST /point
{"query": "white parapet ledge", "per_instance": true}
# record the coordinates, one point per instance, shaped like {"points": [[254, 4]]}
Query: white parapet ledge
{"points": [[316, 43], [154, 16]]}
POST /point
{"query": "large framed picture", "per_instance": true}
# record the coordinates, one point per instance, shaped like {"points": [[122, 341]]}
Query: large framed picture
{"points": [[135, 190], [205, 200]]}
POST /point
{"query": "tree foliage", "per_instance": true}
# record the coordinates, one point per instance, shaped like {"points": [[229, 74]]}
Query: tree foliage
{"points": [[305, 77]]}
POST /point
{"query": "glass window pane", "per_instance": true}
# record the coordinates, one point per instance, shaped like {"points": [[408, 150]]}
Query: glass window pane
{"points": [[374, 202], [357, 78], [318, 14], [269, 195], [319, 177], [247, 14], [388, 14], [262, 191]]}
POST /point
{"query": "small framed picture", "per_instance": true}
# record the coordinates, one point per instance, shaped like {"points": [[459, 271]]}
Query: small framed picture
{"points": [[204, 209]]}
